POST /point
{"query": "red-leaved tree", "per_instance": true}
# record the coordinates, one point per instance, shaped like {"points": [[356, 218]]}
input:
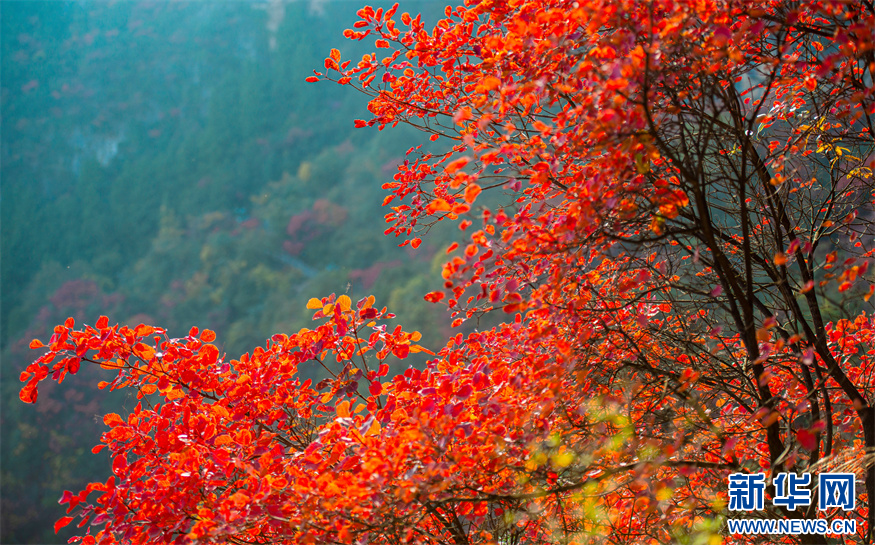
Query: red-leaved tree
{"points": [[676, 219]]}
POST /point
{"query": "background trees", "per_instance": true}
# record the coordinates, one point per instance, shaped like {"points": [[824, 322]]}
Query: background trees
{"points": [[671, 203], [131, 189]]}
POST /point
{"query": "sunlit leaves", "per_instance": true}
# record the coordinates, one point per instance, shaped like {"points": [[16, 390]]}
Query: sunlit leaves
{"points": [[677, 191], [217, 414]]}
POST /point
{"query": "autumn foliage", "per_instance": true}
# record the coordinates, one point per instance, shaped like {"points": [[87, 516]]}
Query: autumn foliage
{"points": [[671, 204]]}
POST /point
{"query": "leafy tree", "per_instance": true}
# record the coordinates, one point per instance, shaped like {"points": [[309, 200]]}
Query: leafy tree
{"points": [[682, 256]]}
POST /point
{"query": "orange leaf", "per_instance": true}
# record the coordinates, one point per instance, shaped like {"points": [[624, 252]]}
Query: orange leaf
{"points": [[112, 420], [314, 303], [489, 83], [456, 165], [208, 336], [471, 193], [343, 409], [175, 393], [374, 429], [437, 205], [36, 343], [143, 351]]}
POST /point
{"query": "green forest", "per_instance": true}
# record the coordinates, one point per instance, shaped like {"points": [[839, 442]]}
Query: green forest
{"points": [[166, 163]]}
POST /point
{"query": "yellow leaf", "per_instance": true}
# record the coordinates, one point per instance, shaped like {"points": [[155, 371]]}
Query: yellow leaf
{"points": [[563, 459], [664, 493], [328, 309], [345, 302], [314, 303]]}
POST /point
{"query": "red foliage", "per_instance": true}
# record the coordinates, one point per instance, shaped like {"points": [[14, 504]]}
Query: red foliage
{"points": [[75, 294], [309, 224], [368, 276], [681, 256]]}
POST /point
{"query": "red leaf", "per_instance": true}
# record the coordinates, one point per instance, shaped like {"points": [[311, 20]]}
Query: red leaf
{"points": [[119, 464], [434, 296], [807, 439], [63, 521], [401, 351], [28, 394]]}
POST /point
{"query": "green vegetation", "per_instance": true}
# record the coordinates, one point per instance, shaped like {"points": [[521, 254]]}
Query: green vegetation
{"points": [[167, 163]]}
